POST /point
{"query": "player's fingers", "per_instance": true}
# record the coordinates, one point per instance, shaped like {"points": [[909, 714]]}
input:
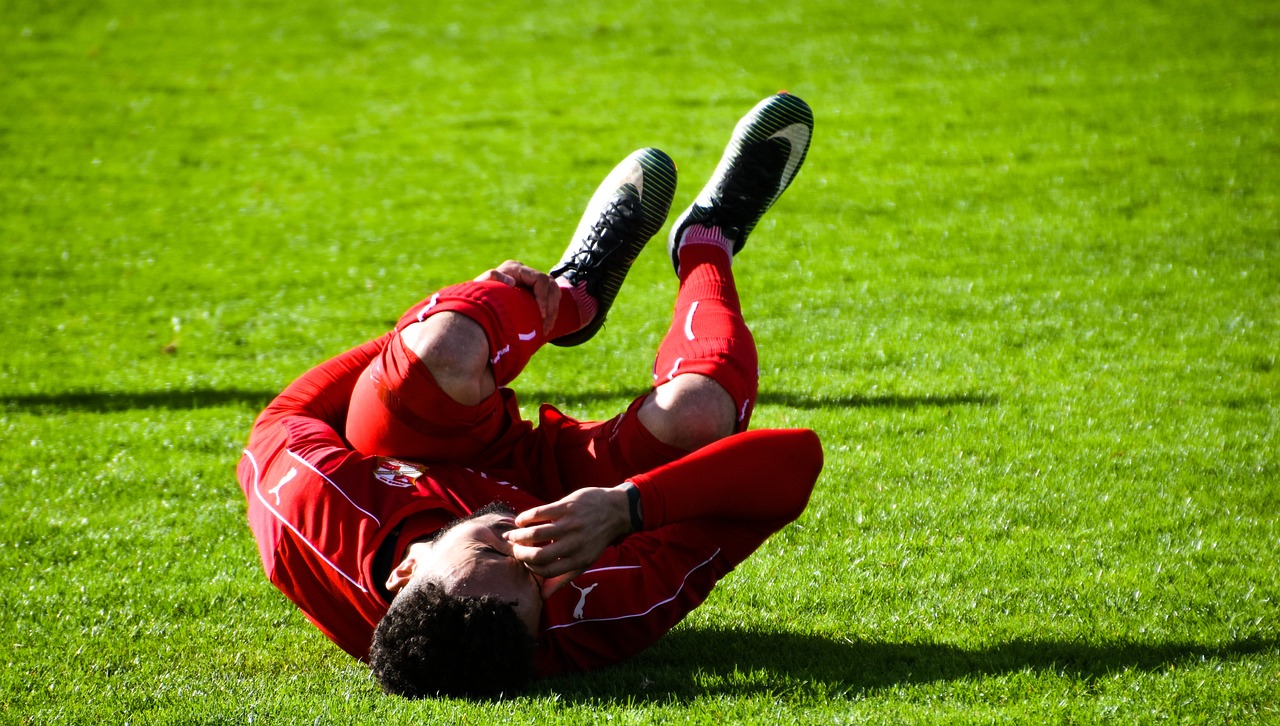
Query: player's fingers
{"points": [[547, 293], [541, 559], [545, 290], [539, 283], [515, 272], [540, 515], [530, 536], [496, 276], [523, 274]]}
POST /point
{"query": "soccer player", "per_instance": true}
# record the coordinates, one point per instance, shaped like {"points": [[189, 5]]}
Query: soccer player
{"points": [[400, 500]]}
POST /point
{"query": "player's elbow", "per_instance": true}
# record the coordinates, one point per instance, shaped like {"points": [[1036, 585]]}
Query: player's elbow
{"points": [[803, 454]]}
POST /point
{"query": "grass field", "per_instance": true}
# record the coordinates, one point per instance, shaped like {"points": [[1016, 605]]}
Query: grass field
{"points": [[1027, 289]]}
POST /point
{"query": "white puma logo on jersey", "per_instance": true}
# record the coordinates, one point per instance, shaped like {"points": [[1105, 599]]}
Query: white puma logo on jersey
{"points": [[293, 471], [582, 600]]}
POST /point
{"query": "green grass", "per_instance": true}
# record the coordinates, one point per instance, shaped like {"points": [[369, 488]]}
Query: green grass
{"points": [[1027, 289]]}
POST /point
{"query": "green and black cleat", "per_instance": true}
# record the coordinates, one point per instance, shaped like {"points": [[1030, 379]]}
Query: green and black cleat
{"points": [[765, 152], [627, 210]]}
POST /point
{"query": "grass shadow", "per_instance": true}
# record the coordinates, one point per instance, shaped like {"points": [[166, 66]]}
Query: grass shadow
{"points": [[113, 401], [689, 664], [787, 399], [797, 400]]}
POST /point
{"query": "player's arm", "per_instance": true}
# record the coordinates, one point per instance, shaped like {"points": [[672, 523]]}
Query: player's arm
{"points": [[762, 478], [325, 391]]}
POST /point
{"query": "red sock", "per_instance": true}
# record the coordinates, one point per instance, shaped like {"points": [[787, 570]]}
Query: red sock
{"points": [[577, 308], [708, 335]]}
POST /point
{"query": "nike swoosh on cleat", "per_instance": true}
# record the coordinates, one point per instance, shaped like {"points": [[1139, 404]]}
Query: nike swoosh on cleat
{"points": [[797, 135]]}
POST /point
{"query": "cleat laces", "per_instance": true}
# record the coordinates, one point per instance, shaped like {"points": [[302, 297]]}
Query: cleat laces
{"points": [[606, 235]]}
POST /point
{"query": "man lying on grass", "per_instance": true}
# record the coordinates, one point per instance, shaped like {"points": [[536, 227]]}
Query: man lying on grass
{"points": [[401, 501]]}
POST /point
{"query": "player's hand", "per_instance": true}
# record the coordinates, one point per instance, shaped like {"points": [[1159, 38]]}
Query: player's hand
{"points": [[544, 288], [567, 536]]}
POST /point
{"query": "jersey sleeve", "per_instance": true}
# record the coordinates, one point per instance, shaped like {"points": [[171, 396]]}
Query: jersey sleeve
{"points": [[324, 392], [704, 514], [763, 476]]}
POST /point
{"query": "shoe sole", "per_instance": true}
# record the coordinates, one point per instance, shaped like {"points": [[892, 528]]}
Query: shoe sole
{"points": [[656, 185], [781, 116]]}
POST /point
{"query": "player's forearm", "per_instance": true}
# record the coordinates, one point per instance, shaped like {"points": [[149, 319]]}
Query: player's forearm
{"points": [[764, 475]]}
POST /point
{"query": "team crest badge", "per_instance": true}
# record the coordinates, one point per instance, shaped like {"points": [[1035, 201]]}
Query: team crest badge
{"points": [[396, 473]]}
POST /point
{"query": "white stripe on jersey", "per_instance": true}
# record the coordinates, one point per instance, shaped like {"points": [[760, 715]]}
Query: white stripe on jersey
{"points": [[333, 484], [257, 475], [652, 607], [607, 569]]}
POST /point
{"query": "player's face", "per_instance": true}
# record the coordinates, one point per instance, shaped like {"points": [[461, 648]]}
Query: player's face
{"points": [[473, 558]]}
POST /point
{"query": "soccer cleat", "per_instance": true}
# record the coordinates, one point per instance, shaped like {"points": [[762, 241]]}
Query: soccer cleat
{"points": [[628, 209], [765, 152]]}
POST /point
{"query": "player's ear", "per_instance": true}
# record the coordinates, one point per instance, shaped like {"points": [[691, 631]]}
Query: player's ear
{"points": [[402, 573]]}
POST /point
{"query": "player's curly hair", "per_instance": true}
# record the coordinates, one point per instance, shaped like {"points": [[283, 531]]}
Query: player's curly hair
{"points": [[431, 643]]}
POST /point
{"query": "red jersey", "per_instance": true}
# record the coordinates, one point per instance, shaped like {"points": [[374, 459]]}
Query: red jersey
{"points": [[322, 512]]}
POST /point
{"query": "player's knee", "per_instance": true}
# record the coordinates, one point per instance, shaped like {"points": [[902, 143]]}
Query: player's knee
{"points": [[456, 352], [689, 412]]}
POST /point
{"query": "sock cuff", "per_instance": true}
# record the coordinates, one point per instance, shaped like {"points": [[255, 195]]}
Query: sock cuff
{"points": [[697, 246], [702, 234], [585, 304]]}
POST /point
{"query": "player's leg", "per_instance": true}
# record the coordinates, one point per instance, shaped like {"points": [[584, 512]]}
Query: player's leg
{"points": [[706, 372], [434, 393]]}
